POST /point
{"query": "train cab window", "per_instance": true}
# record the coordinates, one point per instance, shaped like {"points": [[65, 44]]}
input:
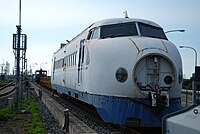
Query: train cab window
{"points": [[118, 30], [151, 31], [93, 34]]}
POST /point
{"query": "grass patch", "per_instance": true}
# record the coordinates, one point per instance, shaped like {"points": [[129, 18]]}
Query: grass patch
{"points": [[37, 126], [7, 113], [30, 122]]}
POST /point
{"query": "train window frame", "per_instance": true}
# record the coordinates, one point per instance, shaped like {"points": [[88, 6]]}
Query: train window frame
{"points": [[75, 53], [151, 31], [71, 60], [90, 34], [94, 33], [119, 30]]}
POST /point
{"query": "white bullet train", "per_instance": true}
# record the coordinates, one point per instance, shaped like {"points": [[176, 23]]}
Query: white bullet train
{"points": [[126, 68]]}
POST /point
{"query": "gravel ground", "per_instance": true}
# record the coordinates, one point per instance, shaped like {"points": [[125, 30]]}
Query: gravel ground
{"points": [[51, 125]]}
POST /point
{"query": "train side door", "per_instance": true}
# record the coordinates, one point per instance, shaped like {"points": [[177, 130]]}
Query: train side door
{"points": [[80, 61]]}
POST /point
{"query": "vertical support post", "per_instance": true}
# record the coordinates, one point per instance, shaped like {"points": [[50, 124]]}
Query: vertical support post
{"points": [[10, 102], [186, 93], [40, 94], [66, 123], [18, 68], [194, 92]]}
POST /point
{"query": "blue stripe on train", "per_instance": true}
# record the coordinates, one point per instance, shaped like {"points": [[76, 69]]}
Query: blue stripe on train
{"points": [[117, 109]]}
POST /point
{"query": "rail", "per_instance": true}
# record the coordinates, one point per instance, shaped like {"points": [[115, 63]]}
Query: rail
{"points": [[7, 85], [7, 89]]}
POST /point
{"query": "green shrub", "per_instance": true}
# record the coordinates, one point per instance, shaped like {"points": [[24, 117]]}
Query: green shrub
{"points": [[6, 113]]}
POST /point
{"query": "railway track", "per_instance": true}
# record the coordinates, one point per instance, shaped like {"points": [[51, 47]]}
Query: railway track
{"points": [[87, 114], [7, 90]]}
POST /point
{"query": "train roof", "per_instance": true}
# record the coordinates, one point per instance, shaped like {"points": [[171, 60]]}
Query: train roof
{"points": [[122, 20], [114, 21]]}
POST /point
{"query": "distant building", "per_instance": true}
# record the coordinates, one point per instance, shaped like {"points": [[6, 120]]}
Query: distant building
{"points": [[5, 68]]}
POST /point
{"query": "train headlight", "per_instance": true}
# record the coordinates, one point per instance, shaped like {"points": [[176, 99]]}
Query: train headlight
{"points": [[121, 74], [168, 79]]}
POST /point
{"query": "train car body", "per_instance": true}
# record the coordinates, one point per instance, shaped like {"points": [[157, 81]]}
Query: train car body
{"points": [[39, 74], [126, 68]]}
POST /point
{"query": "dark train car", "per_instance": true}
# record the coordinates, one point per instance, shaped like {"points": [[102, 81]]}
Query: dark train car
{"points": [[40, 73], [42, 78]]}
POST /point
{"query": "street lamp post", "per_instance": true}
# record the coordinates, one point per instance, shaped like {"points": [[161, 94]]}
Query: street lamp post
{"points": [[31, 67], [31, 71], [177, 30], [193, 83], [42, 63]]}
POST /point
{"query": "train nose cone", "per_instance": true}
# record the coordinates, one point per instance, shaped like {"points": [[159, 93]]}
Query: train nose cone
{"points": [[149, 43], [154, 73]]}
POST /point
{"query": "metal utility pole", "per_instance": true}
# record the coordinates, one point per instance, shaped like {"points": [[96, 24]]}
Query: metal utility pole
{"points": [[19, 43], [18, 66], [20, 10], [18, 59]]}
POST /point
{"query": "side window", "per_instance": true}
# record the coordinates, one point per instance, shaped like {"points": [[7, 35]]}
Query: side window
{"points": [[75, 56], [95, 34]]}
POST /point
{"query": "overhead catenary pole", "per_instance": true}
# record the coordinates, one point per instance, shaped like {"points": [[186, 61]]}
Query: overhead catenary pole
{"points": [[18, 59], [20, 10]]}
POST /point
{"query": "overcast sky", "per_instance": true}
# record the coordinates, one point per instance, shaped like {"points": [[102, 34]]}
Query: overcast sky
{"points": [[48, 23]]}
